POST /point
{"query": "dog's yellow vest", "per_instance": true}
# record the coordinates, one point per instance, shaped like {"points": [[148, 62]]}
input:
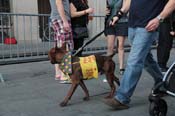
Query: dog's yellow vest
{"points": [[89, 67]]}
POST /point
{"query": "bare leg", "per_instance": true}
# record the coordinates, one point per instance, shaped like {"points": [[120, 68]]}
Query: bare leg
{"points": [[57, 72], [57, 69], [110, 44], [121, 41], [110, 47]]}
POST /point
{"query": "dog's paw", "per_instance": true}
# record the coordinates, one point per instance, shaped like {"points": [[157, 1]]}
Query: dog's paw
{"points": [[86, 98], [63, 104]]}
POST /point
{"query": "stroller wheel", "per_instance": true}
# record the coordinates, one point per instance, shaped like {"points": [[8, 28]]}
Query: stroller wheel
{"points": [[158, 108]]}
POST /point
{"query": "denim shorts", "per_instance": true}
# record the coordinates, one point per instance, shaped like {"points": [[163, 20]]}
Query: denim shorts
{"points": [[121, 29]]}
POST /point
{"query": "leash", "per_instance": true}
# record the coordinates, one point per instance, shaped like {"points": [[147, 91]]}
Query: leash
{"points": [[88, 42], [92, 39]]}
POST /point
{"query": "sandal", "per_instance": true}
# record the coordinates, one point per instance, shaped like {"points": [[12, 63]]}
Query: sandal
{"points": [[57, 77]]}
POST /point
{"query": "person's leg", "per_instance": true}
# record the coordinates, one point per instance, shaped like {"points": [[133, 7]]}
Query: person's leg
{"points": [[60, 38], [110, 47], [164, 45], [66, 37], [78, 42], [153, 69], [110, 44], [59, 75], [58, 72], [56, 27], [141, 41], [121, 53], [110, 38]]}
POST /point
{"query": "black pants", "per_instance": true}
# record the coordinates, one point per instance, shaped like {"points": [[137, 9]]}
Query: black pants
{"points": [[164, 44], [78, 42]]}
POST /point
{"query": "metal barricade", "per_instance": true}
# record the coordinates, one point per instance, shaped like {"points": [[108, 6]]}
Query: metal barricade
{"points": [[34, 37]]}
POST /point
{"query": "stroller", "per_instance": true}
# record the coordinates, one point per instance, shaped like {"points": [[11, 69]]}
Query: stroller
{"points": [[158, 106]]}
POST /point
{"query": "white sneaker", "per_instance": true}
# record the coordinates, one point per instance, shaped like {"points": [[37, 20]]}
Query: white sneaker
{"points": [[105, 80], [65, 79]]}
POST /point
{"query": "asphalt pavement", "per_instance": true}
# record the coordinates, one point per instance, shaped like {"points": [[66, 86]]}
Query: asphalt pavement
{"points": [[29, 89]]}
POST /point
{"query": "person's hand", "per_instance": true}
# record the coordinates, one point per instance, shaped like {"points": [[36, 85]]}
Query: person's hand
{"points": [[90, 10], [114, 20], [152, 25], [107, 11], [66, 26], [172, 33]]}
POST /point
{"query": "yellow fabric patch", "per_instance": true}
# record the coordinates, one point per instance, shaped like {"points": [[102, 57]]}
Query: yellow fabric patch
{"points": [[89, 67]]}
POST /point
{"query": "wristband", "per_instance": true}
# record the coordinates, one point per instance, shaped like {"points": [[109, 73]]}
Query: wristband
{"points": [[119, 14]]}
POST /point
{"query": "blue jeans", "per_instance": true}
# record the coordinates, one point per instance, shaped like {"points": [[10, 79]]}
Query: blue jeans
{"points": [[139, 57]]}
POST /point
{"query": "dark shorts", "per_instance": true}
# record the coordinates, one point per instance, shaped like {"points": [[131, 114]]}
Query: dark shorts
{"points": [[121, 29]]}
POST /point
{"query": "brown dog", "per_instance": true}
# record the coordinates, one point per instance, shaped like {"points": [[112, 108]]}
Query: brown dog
{"points": [[105, 65]]}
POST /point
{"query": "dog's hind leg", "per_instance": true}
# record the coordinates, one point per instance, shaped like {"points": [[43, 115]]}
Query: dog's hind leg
{"points": [[109, 68], [69, 95], [83, 86]]}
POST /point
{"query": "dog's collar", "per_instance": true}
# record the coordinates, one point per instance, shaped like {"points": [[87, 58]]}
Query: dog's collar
{"points": [[66, 63]]}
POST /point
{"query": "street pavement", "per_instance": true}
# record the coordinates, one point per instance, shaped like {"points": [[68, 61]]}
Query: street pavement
{"points": [[30, 90]]}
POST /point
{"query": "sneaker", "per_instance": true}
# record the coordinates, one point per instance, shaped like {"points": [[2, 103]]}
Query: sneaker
{"points": [[164, 69], [105, 80], [155, 43], [65, 82], [114, 103], [65, 79], [161, 92], [122, 71]]}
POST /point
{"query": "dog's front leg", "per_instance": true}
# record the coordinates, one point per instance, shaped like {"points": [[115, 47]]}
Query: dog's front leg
{"points": [[69, 95], [110, 80], [83, 86]]}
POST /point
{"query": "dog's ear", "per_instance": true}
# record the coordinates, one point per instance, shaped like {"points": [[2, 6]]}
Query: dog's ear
{"points": [[51, 55]]}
